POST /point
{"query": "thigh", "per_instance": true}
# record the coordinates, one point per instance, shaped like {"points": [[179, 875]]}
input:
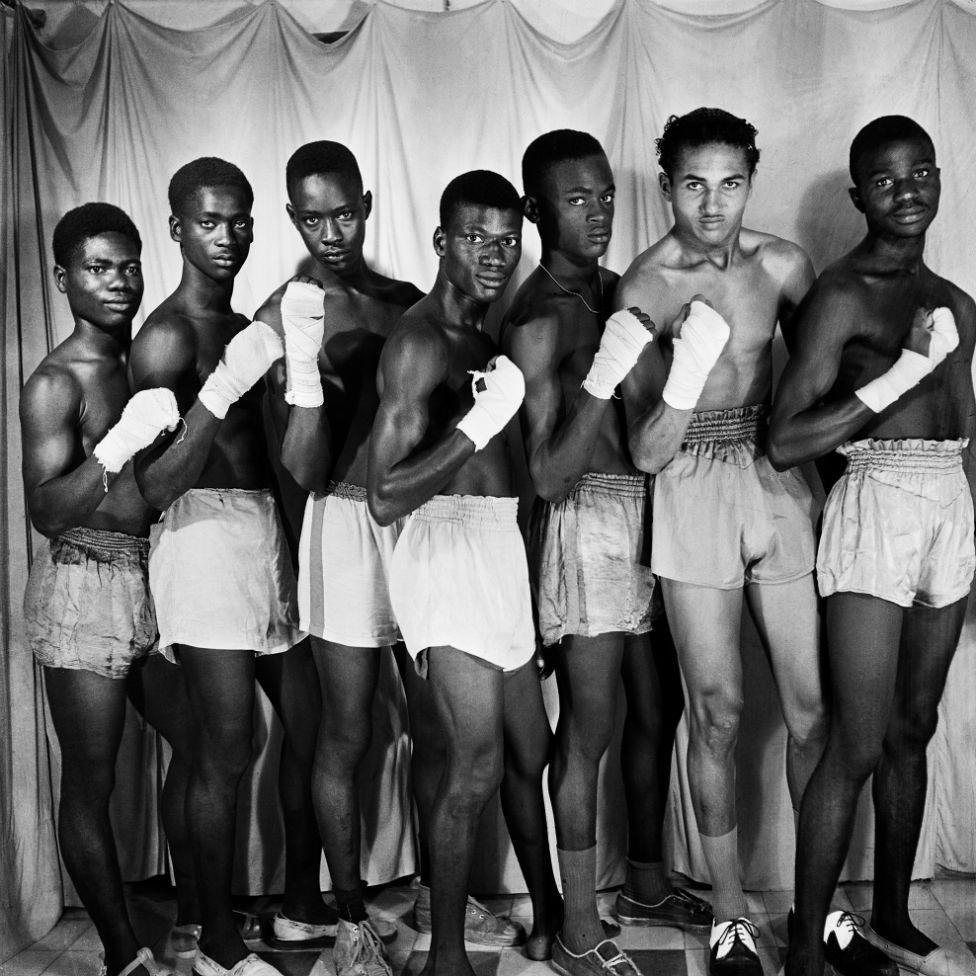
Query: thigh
{"points": [[348, 677], [527, 731], [587, 674], [220, 686], [291, 682], [157, 689], [468, 698], [705, 623], [786, 619], [652, 682], [88, 712]]}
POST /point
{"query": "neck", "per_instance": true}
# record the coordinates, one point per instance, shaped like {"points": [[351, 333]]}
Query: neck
{"points": [[719, 255], [357, 277], [571, 270], [455, 306], [203, 293], [894, 253], [106, 342]]}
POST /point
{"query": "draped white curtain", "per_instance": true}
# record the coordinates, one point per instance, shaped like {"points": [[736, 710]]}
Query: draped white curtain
{"points": [[105, 103]]}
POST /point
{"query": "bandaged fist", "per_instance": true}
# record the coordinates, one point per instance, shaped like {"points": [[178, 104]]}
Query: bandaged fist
{"points": [[303, 320], [498, 392], [147, 414], [703, 336], [246, 359], [624, 337], [932, 337]]}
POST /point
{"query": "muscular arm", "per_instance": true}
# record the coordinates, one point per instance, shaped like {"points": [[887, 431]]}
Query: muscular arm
{"points": [[61, 492], [799, 279], [302, 434], [401, 478], [165, 355], [800, 428], [559, 442]]}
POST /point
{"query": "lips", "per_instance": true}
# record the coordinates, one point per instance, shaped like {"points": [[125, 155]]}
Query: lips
{"points": [[226, 260], [121, 304], [909, 214], [333, 256], [600, 238], [493, 281]]}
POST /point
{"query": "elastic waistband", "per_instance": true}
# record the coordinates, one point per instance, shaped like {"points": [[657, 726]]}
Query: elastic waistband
{"points": [[630, 485], [342, 489], [904, 454], [726, 426], [483, 510], [228, 492], [102, 544]]}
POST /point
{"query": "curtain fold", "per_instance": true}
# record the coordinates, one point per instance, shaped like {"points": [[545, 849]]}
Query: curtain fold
{"points": [[420, 97]]}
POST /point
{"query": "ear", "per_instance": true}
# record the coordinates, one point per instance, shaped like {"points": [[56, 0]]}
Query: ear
{"points": [[290, 210], [530, 208], [752, 180], [367, 204], [60, 274], [856, 198], [439, 239], [664, 181], [175, 229]]}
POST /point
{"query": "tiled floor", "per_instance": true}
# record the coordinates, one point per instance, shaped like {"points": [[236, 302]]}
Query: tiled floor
{"points": [[945, 909]]}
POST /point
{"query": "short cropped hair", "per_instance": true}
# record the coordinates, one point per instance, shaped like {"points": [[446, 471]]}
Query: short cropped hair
{"points": [[702, 127], [480, 187], [322, 158], [88, 221], [205, 172], [552, 148], [888, 128]]}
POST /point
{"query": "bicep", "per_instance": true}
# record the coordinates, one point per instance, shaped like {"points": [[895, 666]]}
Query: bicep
{"points": [[644, 384], [165, 358], [48, 417], [534, 351]]}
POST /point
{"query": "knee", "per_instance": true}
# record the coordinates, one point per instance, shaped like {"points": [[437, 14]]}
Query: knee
{"points": [[529, 759], [88, 783], [854, 756], [911, 729], [807, 721], [345, 740], [585, 735], [223, 758], [473, 778], [715, 719]]}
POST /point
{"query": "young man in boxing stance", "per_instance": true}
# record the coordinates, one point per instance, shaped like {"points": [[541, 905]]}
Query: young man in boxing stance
{"points": [[219, 570], [726, 525], [458, 578], [593, 602], [88, 612], [324, 400], [880, 371]]}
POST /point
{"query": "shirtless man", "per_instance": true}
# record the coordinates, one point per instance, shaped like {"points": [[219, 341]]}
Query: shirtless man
{"points": [[593, 604], [80, 429], [324, 400], [219, 569], [725, 523], [880, 371], [458, 579]]}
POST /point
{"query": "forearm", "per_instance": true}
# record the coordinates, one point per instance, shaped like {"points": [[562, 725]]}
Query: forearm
{"points": [[815, 432], [306, 447], [69, 500], [655, 436], [164, 474], [404, 487]]}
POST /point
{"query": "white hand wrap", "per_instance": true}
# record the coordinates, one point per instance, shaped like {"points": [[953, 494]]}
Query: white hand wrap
{"points": [[623, 340], [910, 368], [495, 405], [246, 359], [704, 334], [144, 416], [303, 318]]}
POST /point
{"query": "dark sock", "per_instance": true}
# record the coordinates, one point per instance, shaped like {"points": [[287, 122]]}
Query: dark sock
{"points": [[350, 904]]}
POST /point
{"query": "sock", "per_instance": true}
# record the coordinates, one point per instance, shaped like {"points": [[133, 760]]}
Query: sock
{"points": [[722, 858], [582, 928], [796, 823], [646, 882], [350, 904]]}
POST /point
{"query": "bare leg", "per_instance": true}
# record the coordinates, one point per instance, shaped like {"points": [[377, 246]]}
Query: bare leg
{"points": [[468, 695], [88, 711], [527, 742], [291, 683], [221, 689], [587, 672], [705, 623], [928, 643], [348, 677], [158, 691], [785, 615], [863, 637]]}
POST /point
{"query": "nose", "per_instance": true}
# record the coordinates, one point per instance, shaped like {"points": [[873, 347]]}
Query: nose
{"points": [[330, 231], [709, 203], [600, 212], [905, 189], [119, 281], [492, 254]]}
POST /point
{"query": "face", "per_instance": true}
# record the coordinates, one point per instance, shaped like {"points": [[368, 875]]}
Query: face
{"points": [[708, 192], [103, 280], [575, 215], [480, 249], [330, 212], [215, 231], [898, 187]]}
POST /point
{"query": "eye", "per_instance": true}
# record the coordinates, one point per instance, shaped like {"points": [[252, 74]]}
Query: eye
{"points": [[241, 224], [310, 221], [133, 269], [883, 181], [921, 174], [693, 185], [474, 238], [346, 215], [607, 198], [206, 224], [732, 184], [510, 242], [96, 268], [576, 201]]}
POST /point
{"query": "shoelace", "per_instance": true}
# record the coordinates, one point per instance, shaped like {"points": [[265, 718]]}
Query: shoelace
{"points": [[621, 958], [369, 954], [851, 920], [689, 899], [735, 930]]}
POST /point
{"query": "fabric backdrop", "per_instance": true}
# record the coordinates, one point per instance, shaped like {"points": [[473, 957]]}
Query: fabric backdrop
{"points": [[421, 96]]}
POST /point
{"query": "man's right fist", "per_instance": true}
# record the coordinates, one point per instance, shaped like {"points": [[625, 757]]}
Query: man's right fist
{"points": [[498, 392], [144, 416], [303, 320], [247, 357], [704, 334], [624, 337]]}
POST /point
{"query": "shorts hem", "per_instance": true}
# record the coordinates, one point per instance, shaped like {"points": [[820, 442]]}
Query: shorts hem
{"points": [[588, 632], [371, 640], [166, 647], [734, 586], [101, 672], [471, 653], [912, 602]]}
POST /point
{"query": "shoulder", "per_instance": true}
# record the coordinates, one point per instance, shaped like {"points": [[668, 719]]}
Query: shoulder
{"points": [[270, 309], [51, 389], [166, 326], [416, 344], [835, 305], [402, 293], [647, 271]]}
